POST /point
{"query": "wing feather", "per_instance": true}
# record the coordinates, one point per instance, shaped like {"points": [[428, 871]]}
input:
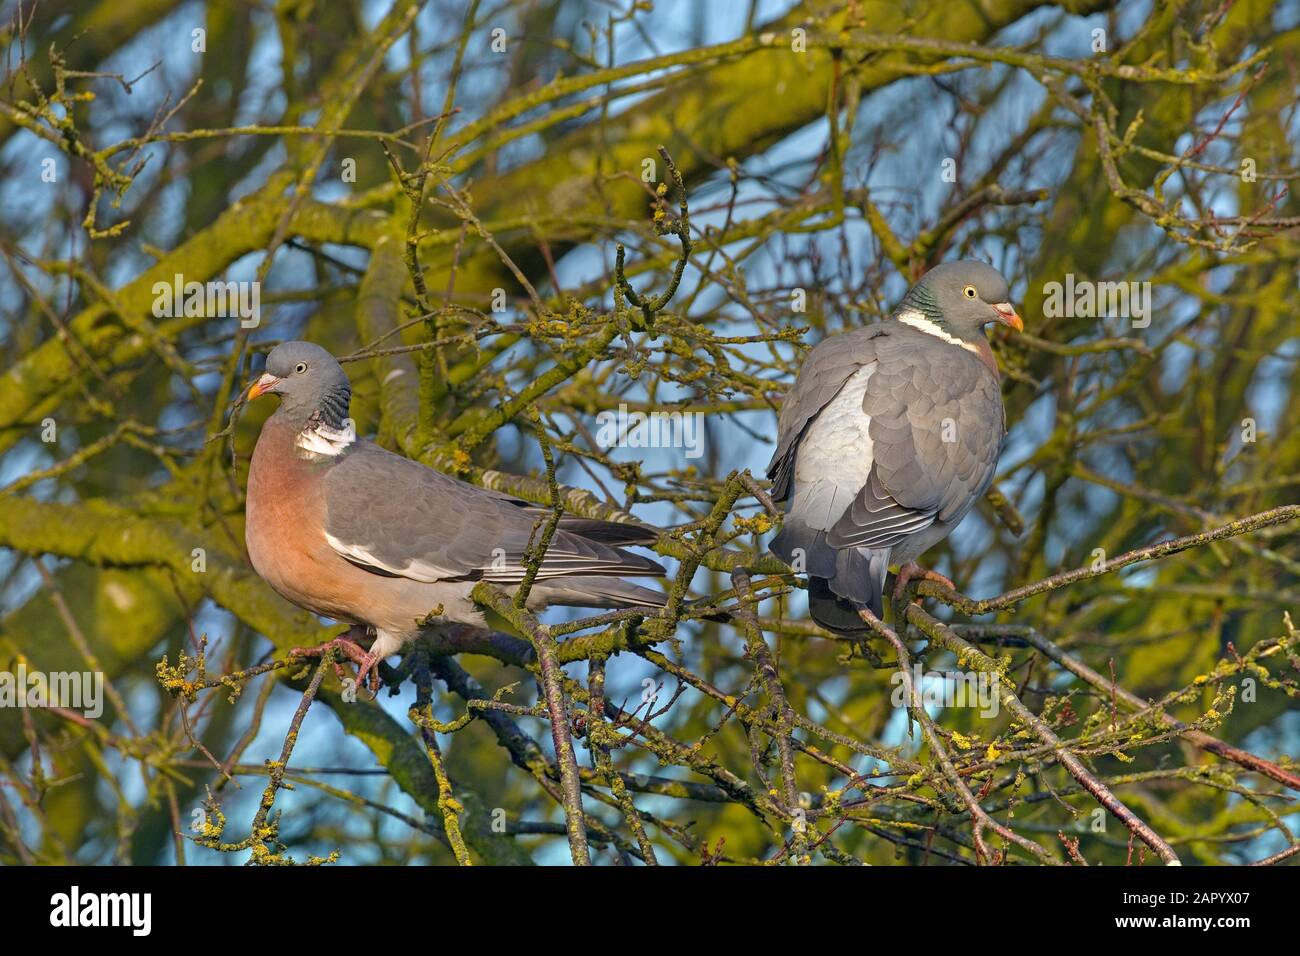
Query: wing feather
{"points": [[936, 430], [830, 364], [394, 516]]}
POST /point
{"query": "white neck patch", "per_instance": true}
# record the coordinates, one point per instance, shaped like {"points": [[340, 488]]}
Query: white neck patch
{"points": [[321, 439], [918, 321]]}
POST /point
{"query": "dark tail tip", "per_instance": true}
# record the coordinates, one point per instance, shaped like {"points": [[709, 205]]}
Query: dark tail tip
{"points": [[835, 613]]}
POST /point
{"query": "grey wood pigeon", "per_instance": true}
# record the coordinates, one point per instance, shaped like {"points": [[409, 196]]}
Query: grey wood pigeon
{"points": [[887, 439], [350, 531]]}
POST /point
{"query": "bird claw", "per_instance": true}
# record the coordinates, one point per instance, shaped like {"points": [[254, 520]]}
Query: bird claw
{"points": [[910, 571], [346, 645], [368, 666]]}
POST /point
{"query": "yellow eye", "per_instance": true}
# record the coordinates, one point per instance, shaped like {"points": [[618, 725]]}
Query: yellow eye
{"points": [[969, 292]]}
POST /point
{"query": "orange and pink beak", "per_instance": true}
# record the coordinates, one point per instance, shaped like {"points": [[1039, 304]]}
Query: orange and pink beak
{"points": [[1007, 316], [263, 385]]}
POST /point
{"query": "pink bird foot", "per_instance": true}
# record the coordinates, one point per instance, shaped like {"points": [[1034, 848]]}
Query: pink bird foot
{"points": [[346, 644], [910, 571]]}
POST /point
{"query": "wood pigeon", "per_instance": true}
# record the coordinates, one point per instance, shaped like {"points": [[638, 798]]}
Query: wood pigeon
{"points": [[350, 531], [887, 439]]}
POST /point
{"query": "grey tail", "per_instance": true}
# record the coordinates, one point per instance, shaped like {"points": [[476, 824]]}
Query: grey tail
{"points": [[840, 580], [610, 532], [594, 591], [804, 549], [859, 579], [832, 612], [604, 592]]}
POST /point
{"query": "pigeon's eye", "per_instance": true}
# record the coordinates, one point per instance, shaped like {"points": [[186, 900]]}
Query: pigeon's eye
{"points": [[969, 292], [300, 367]]}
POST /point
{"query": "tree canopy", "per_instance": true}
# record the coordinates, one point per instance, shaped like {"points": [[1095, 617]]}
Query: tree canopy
{"points": [[529, 226]]}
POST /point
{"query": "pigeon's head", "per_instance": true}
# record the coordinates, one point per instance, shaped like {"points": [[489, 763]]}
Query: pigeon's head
{"points": [[961, 298], [308, 380]]}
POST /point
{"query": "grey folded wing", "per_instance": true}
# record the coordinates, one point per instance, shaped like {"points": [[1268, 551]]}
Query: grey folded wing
{"points": [[595, 529], [830, 364], [393, 516], [936, 431]]}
